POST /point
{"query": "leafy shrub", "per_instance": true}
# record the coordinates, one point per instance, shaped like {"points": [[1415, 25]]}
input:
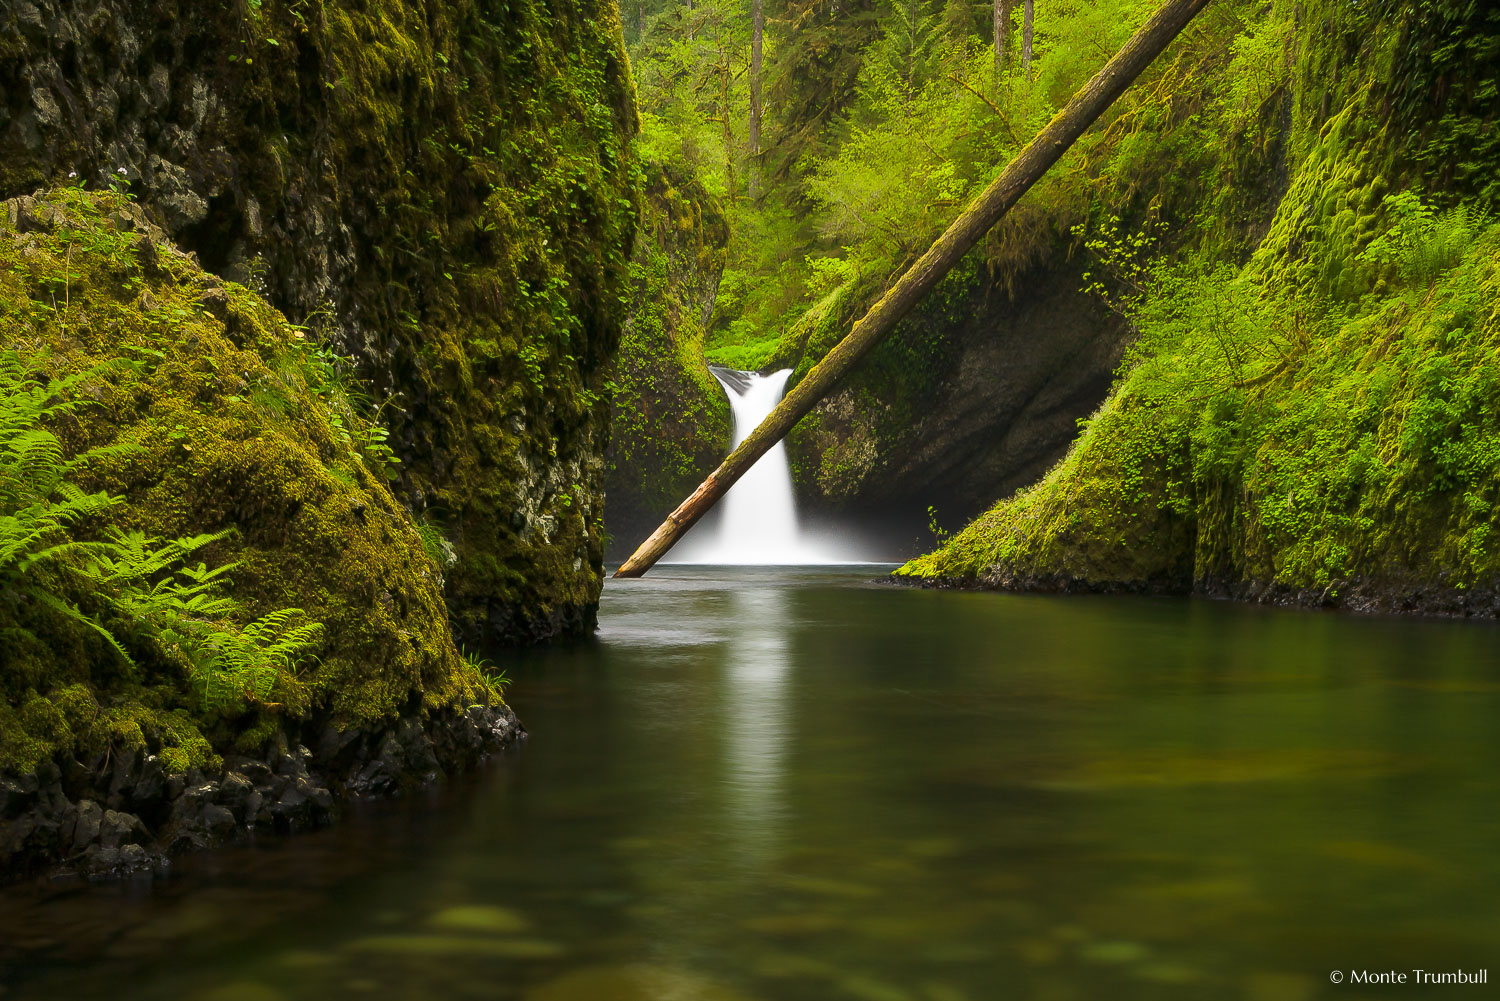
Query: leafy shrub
{"points": [[1421, 243]]}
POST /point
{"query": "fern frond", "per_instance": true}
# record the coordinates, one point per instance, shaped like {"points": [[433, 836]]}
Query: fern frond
{"points": [[71, 611]]}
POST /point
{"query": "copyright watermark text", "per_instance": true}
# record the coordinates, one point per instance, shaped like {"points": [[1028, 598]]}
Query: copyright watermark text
{"points": [[1410, 976]]}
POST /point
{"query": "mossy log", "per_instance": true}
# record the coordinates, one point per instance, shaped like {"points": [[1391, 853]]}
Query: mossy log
{"points": [[976, 220]]}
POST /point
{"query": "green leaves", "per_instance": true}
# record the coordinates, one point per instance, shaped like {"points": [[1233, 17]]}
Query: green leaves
{"points": [[176, 614]]}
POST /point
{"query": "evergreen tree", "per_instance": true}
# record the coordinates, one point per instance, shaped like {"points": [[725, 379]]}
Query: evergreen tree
{"points": [[817, 55], [904, 59]]}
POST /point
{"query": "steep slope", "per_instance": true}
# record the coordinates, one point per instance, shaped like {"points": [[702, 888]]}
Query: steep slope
{"points": [[1317, 425], [671, 418]]}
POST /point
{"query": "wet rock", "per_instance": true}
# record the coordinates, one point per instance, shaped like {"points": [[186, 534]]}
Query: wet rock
{"points": [[128, 813], [301, 805], [16, 795], [102, 862], [26, 215], [149, 794], [258, 773], [117, 829], [122, 777], [234, 793], [86, 826], [218, 820], [215, 301]]}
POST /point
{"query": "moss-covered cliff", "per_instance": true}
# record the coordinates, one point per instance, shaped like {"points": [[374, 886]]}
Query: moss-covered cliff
{"points": [[210, 207], [439, 188], [1317, 424], [207, 411], [671, 418]]}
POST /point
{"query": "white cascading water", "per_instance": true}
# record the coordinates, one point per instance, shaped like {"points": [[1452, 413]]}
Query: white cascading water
{"points": [[757, 522]]}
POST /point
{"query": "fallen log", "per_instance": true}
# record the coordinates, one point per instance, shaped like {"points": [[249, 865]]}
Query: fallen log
{"points": [[986, 210]]}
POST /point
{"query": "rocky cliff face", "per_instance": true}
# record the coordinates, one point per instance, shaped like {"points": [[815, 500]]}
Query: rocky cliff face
{"points": [[977, 395], [439, 189]]}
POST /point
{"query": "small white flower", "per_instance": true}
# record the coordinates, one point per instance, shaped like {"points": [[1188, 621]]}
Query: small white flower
{"points": [[119, 170], [72, 173]]}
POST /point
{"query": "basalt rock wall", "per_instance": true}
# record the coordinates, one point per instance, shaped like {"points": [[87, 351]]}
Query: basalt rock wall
{"points": [[439, 189]]}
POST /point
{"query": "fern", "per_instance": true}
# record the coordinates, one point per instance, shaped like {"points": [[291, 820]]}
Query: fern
{"points": [[179, 611]]}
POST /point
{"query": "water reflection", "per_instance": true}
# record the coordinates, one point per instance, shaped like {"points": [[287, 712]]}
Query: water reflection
{"points": [[759, 726], [786, 785]]}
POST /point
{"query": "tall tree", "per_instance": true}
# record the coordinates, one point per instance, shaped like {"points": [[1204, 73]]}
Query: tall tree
{"points": [[1002, 29], [757, 29], [1026, 13], [815, 64], [960, 21], [903, 59]]}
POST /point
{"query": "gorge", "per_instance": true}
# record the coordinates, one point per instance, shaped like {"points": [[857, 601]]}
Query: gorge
{"points": [[350, 344]]}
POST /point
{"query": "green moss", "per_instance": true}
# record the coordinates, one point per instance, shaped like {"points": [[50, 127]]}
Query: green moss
{"points": [[231, 425], [444, 191], [1320, 421], [671, 418]]}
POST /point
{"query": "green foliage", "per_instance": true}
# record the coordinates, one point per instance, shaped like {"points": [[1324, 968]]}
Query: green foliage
{"points": [[671, 418], [903, 60], [939, 534], [223, 417], [179, 613], [1440, 95], [494, 677], [1421, 243], [436, 545], [1274, 433], [884, 119]]}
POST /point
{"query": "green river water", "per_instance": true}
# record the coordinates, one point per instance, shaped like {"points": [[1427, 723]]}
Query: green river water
{"points": [[803, 786]]}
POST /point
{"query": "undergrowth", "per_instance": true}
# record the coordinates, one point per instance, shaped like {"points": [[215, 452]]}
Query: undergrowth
{"points": [[62, 551]]}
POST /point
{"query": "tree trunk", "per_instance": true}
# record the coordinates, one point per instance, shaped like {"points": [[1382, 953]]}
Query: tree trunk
{"points": [[724, 118], [986, 210], [757, 28], [1026, 12], [1002, 29]]}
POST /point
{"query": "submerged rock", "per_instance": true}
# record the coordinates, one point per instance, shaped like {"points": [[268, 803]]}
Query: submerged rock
{"points": [[638, 982], [479, 918]]}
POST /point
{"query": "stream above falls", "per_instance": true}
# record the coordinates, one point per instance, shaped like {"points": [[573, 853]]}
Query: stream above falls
{"points": [[796, 785]]}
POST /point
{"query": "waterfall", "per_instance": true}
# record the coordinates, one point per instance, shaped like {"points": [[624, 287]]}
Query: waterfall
{"points": [[756, 521]]}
